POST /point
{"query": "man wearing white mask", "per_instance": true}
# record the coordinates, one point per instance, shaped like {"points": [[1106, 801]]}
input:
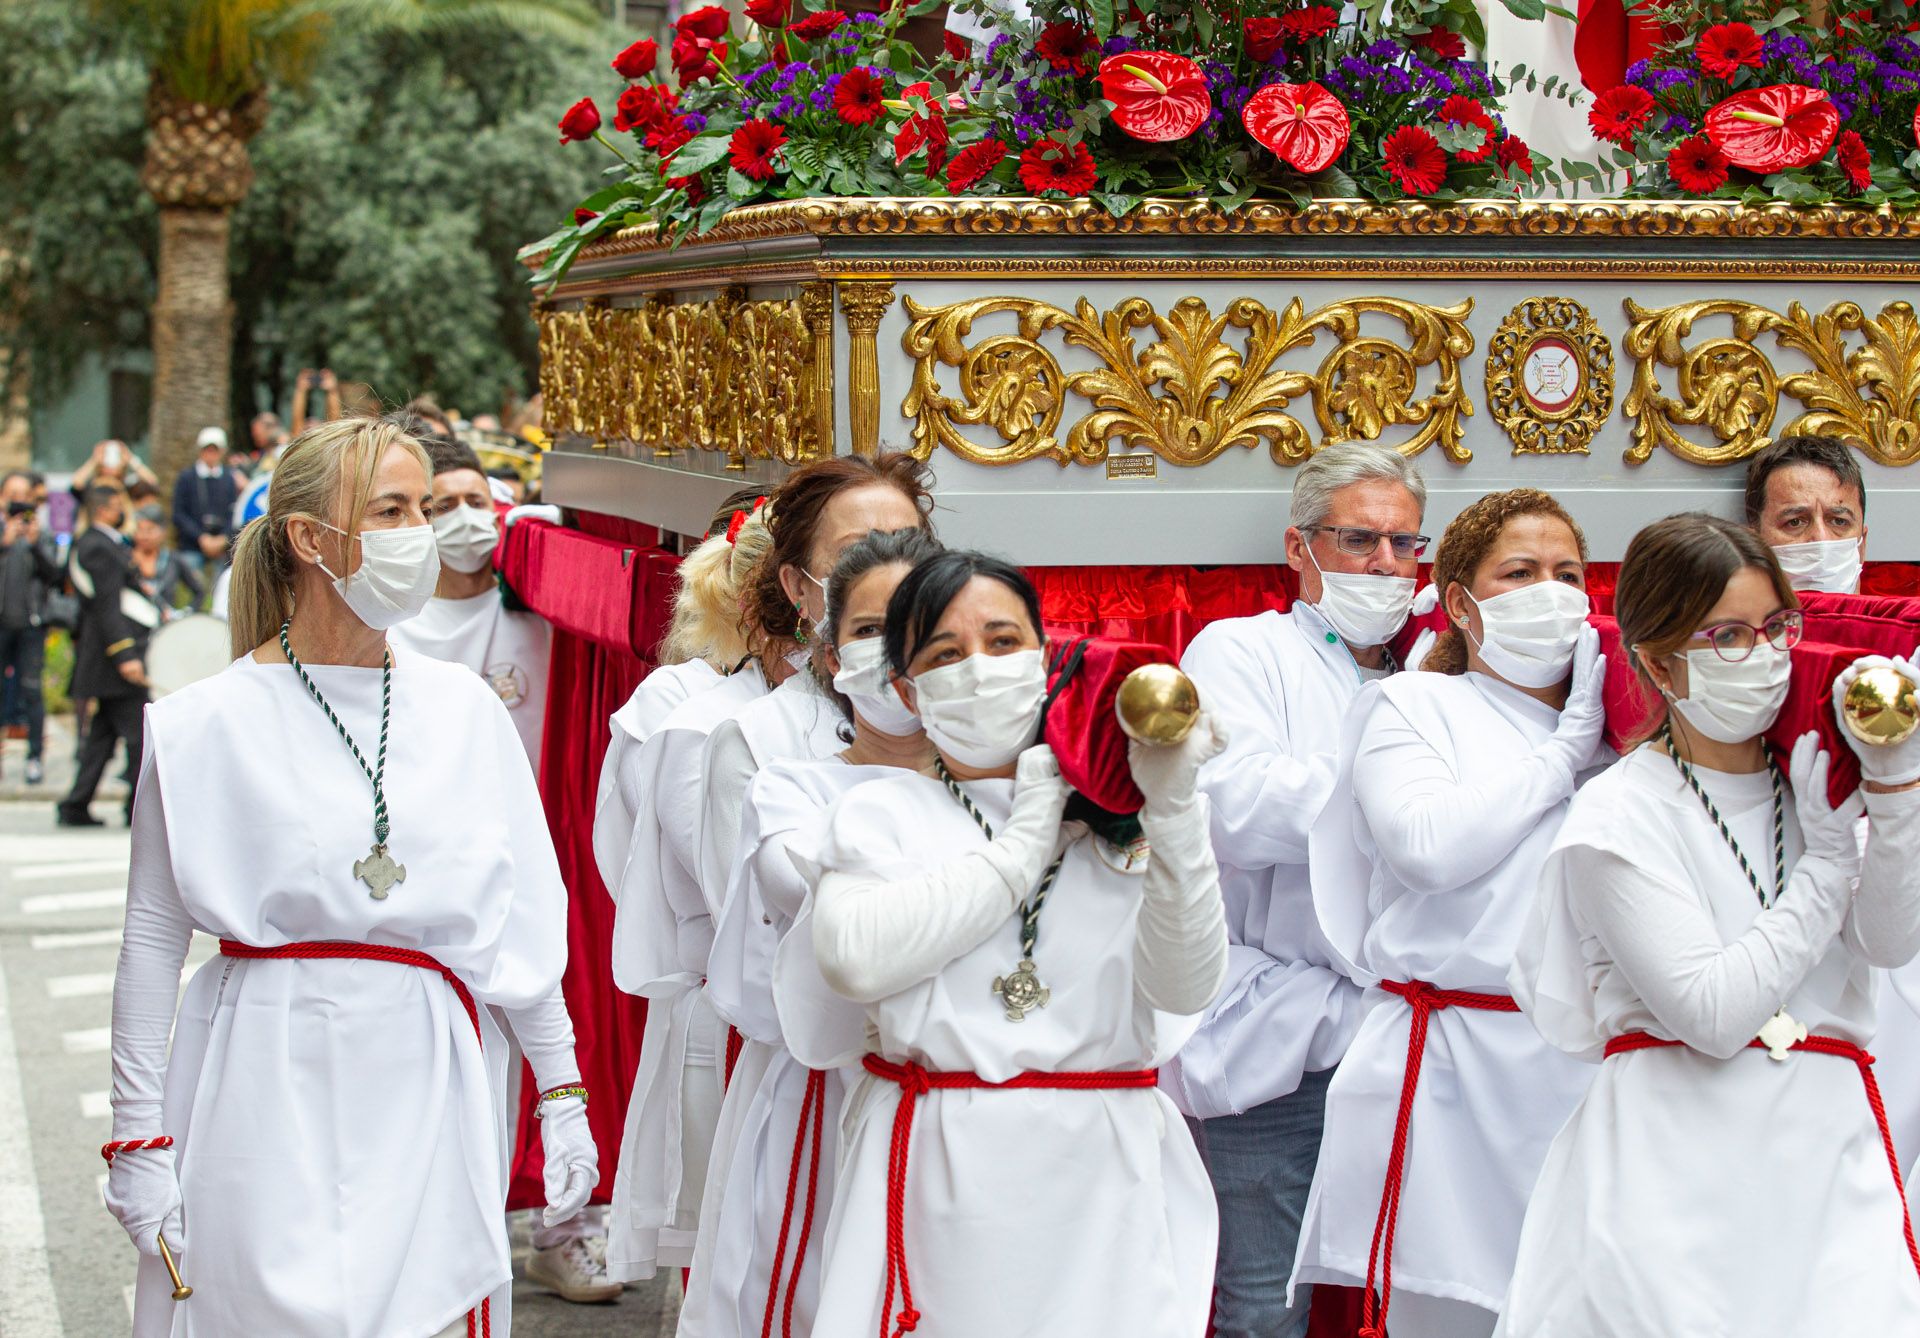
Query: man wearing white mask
{"points": [[1806, 501], [467, 620], [1256, 1072]]}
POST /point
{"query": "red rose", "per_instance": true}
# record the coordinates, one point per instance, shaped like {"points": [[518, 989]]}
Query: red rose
{"points": [[581, 120], [1442, 43], [709, 23], [1618, 112], [769, 13], [1774, 129], [696, 58], [815, 26], [752, 148], [1415, 160], [1304, 125], [956, 47], [1513, 155], [857, 99], [1303, 25], [1850, 151], [666, 138], [1725, 48], [638, 60], [971, 165], [1468, 111], [582, 217], [642, 107], [1157, 96], [1262, 38], [1696, 166], [1049, 164], [1066, 46]]}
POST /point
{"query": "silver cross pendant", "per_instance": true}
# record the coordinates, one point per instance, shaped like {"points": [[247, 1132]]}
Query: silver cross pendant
{"points": [[379, 871]]}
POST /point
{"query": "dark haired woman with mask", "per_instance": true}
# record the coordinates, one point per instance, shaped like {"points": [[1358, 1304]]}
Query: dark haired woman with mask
{"points": [[1452, 787], [762, 1272], [1009, 1166], [1709, 933]]}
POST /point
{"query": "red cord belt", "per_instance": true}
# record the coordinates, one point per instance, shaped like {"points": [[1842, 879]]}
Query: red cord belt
{"points": [[807, 1131], [913, 1081], [1628, 1042], [480, 1321], [1424, 999]]}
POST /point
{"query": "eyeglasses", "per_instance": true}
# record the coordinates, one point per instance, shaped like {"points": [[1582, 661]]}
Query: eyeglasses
{"points": [[1357, 542], [1733, 642]]}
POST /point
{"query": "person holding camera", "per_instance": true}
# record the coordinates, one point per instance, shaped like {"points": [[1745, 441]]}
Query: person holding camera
{"points": [[28, 569], [113, 464], [108, 653], [203, 500]]}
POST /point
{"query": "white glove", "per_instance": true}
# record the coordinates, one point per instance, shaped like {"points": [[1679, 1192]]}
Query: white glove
{"points": [[573, 1162], [143, 1191], [1885, 765], [1167, 774], [1829, 832], [1023, 846], [1584, 718]]}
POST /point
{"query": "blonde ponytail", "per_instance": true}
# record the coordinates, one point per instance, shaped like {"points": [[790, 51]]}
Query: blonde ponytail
{"points": [[706, 610]]}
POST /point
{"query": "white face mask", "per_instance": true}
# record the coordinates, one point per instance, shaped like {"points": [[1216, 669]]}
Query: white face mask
{"points": [[1364, 610], [985, 710], [466, 537], [1528, 635], [1832, 565], [864, 680], [395, 578], [1731, 703]]}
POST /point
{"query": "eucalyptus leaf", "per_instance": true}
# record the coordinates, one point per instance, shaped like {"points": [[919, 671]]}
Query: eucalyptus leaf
{"points": [[1100, 12], [1533, 10]]}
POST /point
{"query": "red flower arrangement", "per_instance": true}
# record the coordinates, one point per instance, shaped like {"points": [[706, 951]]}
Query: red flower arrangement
{"points": [[1696, 166], [1303, 25], [971, 165], [1304, 125], [769, 13], [638, 60], [1415, 160], [752, 147], [860, 98], [1774, 129], [580, 122], [1066, 46], [1850, 151], [1726, 48], [1618, 112], [1468, 111], [1050, 164], [1261, 38], [817, 25], [1156, 96]]}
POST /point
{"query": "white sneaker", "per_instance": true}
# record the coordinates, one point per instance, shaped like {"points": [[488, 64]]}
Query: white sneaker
{"points": [[35, 772], [570, 1271]]}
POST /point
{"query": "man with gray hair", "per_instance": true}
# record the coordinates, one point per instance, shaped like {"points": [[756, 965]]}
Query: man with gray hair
{"points": [[1255, 1074]]}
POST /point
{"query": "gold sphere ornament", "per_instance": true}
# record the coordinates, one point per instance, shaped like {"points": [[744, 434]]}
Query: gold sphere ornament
{"points": [[1157, 704], [1880, 707]]}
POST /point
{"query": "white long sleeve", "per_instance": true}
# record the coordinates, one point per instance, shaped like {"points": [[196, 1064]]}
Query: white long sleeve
{"points": [[1712, 996], [545, 1033], [1883, 927], [728, 770], [1180, 938], [146, 983]]}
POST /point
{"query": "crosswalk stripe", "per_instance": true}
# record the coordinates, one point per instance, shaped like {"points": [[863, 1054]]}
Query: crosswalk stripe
{"points": [[51, 903], [26, 1282], [80, 986], [33, 873], [76, 938], [87, 1041]]}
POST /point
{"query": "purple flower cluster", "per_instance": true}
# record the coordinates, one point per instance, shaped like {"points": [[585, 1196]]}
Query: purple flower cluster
{"points": [[1643, 74], [1229, 96]]}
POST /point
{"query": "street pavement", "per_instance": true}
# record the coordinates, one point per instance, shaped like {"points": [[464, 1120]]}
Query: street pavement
{"points": [[66, 1267]]}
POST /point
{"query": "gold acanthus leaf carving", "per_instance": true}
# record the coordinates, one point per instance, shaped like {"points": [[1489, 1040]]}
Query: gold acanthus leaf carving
{"points": [[1866, 392], [1203, 384]]}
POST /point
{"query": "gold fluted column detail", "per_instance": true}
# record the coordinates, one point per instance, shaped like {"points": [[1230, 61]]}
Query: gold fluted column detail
{"points": [[816, 309], [865, 304]]}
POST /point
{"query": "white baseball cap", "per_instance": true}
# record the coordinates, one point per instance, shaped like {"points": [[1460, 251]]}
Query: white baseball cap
{"points": [[212, 436]]}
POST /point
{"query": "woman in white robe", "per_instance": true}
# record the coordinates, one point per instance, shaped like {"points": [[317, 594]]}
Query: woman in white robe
{"points": [[1020, 981], [1425, 862], [335, 1092], [763, 1269], [1695, 922]]}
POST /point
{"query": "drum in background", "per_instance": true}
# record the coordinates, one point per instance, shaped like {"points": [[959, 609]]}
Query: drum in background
{"points": [[185, 651]]}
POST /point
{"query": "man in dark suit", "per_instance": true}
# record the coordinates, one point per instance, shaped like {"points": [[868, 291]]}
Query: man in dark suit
{"points": [[203, 499], [109, 653]]}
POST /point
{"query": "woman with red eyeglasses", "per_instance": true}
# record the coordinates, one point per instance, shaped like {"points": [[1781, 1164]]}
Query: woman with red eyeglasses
{"points": [[1706, 932]]}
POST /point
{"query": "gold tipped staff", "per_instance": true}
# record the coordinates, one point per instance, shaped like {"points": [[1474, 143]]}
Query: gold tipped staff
{"points": [[1157, 704], [180, 1289], [1880, 708]]}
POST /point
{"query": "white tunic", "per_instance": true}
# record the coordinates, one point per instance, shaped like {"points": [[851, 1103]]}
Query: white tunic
{"points": [[617, 798], [1280, 683], [1896, 1047], [340, 1136], [1424, 866], [1709, 1189], [1075, 1214], [508, 648]]}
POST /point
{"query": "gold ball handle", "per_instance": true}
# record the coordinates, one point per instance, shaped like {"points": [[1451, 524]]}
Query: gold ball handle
{"points": [[1880, 708], [180, 1289], [1157, 705]]}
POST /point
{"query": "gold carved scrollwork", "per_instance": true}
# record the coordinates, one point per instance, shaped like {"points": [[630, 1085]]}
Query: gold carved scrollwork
{"points": [[1203, 384], [1866, 391], [751, 378], [1565, 428]]}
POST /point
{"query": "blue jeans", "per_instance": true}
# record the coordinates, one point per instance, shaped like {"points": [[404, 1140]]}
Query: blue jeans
{"points": [[1262, 1164]]}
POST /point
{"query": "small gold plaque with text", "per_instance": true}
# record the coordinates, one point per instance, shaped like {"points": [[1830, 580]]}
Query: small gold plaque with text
{"points": [[1133, 465]]}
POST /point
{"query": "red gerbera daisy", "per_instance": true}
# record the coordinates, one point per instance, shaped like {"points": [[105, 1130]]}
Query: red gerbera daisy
{"points": [[1468, 111], [1303, 25], [815, 26], [971, 165], [1618, 112], [1513, 155], [1696, 166], [1444, 43], [1049, 164], [857, 98], [956, 46], [1262, 37], [1415, 160], [1065, 46], [1850, 151], [752, 148], [1725, 47]]}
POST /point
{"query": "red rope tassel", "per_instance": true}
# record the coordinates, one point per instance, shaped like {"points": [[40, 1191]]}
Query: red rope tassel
{"points": [[813, 1192], [1629, 1041], [914, 1081], [810, 1107], [1424, 999], [735, 1044]]}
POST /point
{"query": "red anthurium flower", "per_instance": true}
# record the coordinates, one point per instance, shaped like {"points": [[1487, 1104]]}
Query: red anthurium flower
{"points": [[971, 165], [1725, 47], [769, 13], [859, 97], [817, 25], [752, 148], [1468, 111], [1415, 160], [583, 216], [1303, 124], [1696, 166], [638, 60], [709, 23], [1303, 25], [1156, 96], [1444, 43], [1513, 155], [1262, 38], [1066, 46], [581, 120], [926, 125], [696, 58], [1049, 164], [1775, 128], [1850, 151], [1618, 112], [956, 46]]}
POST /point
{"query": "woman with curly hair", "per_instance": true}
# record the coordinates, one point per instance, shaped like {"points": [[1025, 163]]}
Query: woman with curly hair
{"points": [[1455, 781]]}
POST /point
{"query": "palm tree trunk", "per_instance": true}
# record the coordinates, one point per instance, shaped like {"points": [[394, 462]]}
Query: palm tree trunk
{"points": [[192, 334]]}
